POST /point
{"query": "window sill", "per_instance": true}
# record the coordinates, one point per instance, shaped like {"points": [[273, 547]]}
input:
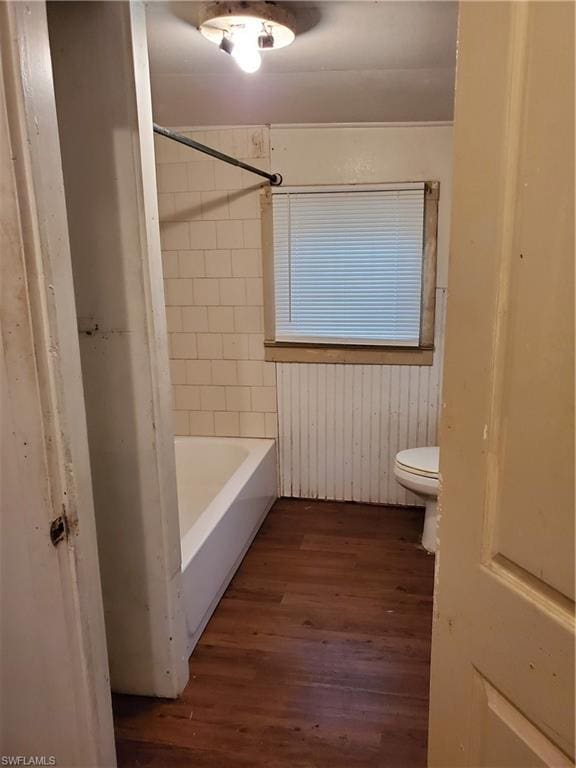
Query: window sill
{"points": [[285, 352]]}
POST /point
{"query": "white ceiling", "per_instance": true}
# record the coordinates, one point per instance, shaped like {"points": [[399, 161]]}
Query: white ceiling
{"points": [[356, 61]]}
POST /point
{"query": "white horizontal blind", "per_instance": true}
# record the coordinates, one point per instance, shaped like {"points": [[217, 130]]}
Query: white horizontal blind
{"points": [[348, 264]]}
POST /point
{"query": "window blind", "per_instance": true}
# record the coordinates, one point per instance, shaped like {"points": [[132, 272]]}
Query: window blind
{"points": [[348, 264]]}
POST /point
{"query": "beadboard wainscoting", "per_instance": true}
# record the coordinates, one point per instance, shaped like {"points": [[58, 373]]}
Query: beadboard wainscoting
{"points": [[341, 426]]}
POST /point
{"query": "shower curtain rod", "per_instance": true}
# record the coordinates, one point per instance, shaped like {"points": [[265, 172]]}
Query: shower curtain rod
{"points": [[275, 179]]}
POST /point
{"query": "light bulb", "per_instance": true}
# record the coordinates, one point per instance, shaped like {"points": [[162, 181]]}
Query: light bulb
{"points": [[245, 50], [247, 59]]}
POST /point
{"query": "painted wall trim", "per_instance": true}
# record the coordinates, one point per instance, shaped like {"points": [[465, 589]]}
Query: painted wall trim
{"points": [[300, 126]]}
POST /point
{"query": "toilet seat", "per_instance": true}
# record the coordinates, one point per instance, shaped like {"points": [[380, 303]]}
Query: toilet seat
{"points": [[420, 461]]}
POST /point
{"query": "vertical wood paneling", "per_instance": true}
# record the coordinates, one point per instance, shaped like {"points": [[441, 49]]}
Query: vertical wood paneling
{"points": [[294, 419], [304, 431], [375, 449], [337, 469], [322, 430], [342, 425]]}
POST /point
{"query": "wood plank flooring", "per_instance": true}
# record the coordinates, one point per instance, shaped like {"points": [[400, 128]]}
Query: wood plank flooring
{"points": [[316, 657]]}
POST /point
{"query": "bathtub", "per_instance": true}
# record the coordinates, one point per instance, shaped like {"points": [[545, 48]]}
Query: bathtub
{"points": [[225, 488]]}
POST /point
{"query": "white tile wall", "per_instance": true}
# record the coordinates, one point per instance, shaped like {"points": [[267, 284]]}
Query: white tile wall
{"points": [[210, 234]]}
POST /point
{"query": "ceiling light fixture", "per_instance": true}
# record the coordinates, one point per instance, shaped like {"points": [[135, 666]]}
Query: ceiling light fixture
{"points": [[245, 29], [226, 44], [246, 49]]}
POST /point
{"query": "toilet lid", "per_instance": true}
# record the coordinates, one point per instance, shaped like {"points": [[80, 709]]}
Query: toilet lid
{"points": [[420, 461]]}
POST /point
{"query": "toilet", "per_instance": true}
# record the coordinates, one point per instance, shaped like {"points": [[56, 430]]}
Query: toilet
{"points": [[417, 470]]}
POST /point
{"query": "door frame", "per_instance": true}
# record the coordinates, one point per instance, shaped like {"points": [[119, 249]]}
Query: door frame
{"points": [[55, 694]]}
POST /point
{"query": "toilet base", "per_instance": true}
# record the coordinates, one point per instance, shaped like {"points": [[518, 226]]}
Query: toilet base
{"points": [[429, 534]]}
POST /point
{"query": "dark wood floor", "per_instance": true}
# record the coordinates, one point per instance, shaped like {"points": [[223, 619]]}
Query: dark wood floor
{"points": [[316, 657]]}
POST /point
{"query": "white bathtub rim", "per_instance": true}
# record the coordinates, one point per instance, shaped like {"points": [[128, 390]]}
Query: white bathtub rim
{"points": [[192, 639], [193, 540]]}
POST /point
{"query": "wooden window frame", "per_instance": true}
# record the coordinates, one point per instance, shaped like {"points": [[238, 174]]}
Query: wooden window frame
{"points": [[307, 352]]}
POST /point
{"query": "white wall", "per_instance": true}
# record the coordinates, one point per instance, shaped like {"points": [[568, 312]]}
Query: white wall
{"points": [[102, 91], [340, 426]]}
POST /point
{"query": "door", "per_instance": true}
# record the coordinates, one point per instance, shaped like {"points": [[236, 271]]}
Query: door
{"points": [[54, 690], [503, 641]]}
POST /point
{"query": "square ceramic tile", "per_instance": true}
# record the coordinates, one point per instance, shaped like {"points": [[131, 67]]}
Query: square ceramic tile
{"points": [[186, 398], [174, 320], [174, 235], [206, 292], [233, 141], [235, 346], [172, 177], [170, 264], [253, 233], [244, 203], [209, 346], [209, 137], [202, 423], [194, 319], [187, 206], [218, 263], [233, 291], [248, 319], [168, 151], [191, 263], [226, 424], [227, 176], [181, 422], [200, 174], [178, 372], [202, 235], [264, 399], [255, 291], [256, 346], [220, 319], [252, 425], [183, 346], [198, 371], [238, 399], [271, 425], [178, 292], [224, 372], [166, 206], [212, 398], [229, 234], [246, 262], [215, 205], [250, 372], [269, 373]]}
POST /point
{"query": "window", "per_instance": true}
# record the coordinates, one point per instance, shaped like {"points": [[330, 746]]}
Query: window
{"points": [[352, 267]]}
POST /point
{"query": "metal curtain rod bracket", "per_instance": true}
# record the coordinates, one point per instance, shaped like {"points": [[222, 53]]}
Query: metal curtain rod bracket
{"points": [[275, 179]]}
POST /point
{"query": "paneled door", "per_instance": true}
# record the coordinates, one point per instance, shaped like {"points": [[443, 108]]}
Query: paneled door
{"points": [[502, 690]]}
